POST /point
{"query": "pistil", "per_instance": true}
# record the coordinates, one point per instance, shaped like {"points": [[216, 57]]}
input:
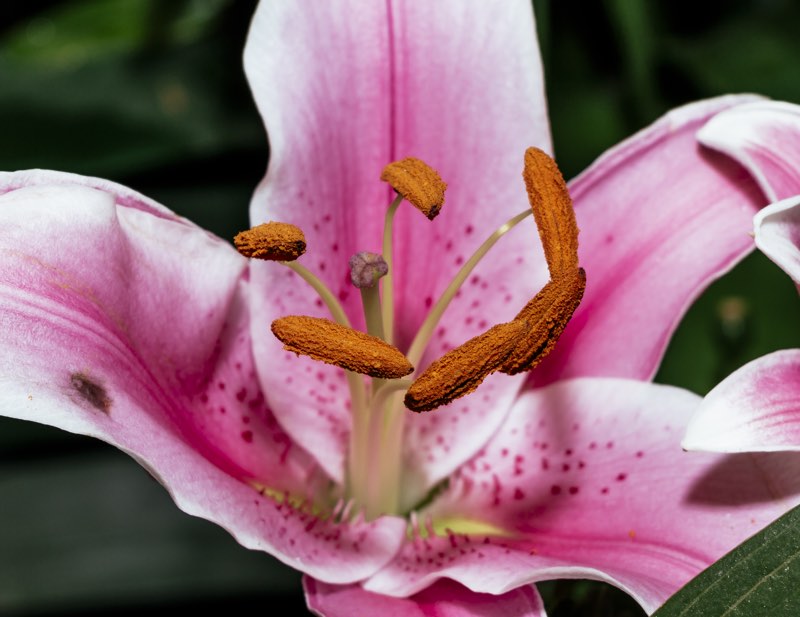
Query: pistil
{"points": [[366, 269], [376, 442]]}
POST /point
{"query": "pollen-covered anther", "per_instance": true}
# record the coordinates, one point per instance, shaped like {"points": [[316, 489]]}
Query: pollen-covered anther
{"points": [[271, 241], [418, 183], [327, 341], [461, 370], [366, 269], [553, 211], [547, 314]]}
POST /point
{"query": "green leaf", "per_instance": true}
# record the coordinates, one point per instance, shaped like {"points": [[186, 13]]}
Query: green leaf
{"points": [[632, 22], [759, 577], [757, 51], [74, 33]]}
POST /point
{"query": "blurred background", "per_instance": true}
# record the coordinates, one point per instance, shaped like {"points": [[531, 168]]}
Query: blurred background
{"points": [[151, 94]]}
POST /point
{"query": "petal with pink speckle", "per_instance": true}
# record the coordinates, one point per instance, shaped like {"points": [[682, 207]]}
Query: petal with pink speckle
{"points": [[566, 490], [413, 79], [124, 322], [660, 217]]}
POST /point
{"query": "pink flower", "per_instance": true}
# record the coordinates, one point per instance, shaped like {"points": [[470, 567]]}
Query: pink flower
{"points": [[120, 320], [757, 408]]}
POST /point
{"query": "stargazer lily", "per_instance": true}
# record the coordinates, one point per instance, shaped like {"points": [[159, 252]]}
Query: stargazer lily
{"points": [[757, 408], [120, 320]]}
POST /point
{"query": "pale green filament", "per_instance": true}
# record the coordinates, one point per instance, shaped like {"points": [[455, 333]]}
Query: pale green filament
{"points": [[393, 386], [337, 312], [358, 395], [359, 439], [382, 496], [388, 280], [425, 332], [393, 418], [374, 474]]}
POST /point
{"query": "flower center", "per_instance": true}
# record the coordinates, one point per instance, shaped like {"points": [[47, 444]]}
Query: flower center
{"points": [[374, 473]]}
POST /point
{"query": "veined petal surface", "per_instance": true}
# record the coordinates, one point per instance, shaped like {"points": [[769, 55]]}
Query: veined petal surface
{"points": [[427, 80], [660, 217], [586, 479], [126, 323]]}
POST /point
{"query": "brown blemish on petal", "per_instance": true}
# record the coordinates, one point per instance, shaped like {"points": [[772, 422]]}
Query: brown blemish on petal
{"points": [[327, 341], [461, 370], [552, 209], [91, 392], [547, 315], [271, 241], [418, 183]]}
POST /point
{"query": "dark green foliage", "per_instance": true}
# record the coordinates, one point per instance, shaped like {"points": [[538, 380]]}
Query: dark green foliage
{"points": [[759, 578]]}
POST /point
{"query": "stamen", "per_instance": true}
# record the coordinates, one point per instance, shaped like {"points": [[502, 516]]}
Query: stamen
{"points": [[271, 241], [327, 341], [418, 183], [547, 314], [428, 326], [552, 209], [461, 370]]}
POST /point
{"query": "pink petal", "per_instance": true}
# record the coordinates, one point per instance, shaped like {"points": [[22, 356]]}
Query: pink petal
{"points": [[757, 408], [410, 79], [442, 599], [588, 478], [132, 327], [660, 217], [764, 137], [777, 230], [10, 181]]}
